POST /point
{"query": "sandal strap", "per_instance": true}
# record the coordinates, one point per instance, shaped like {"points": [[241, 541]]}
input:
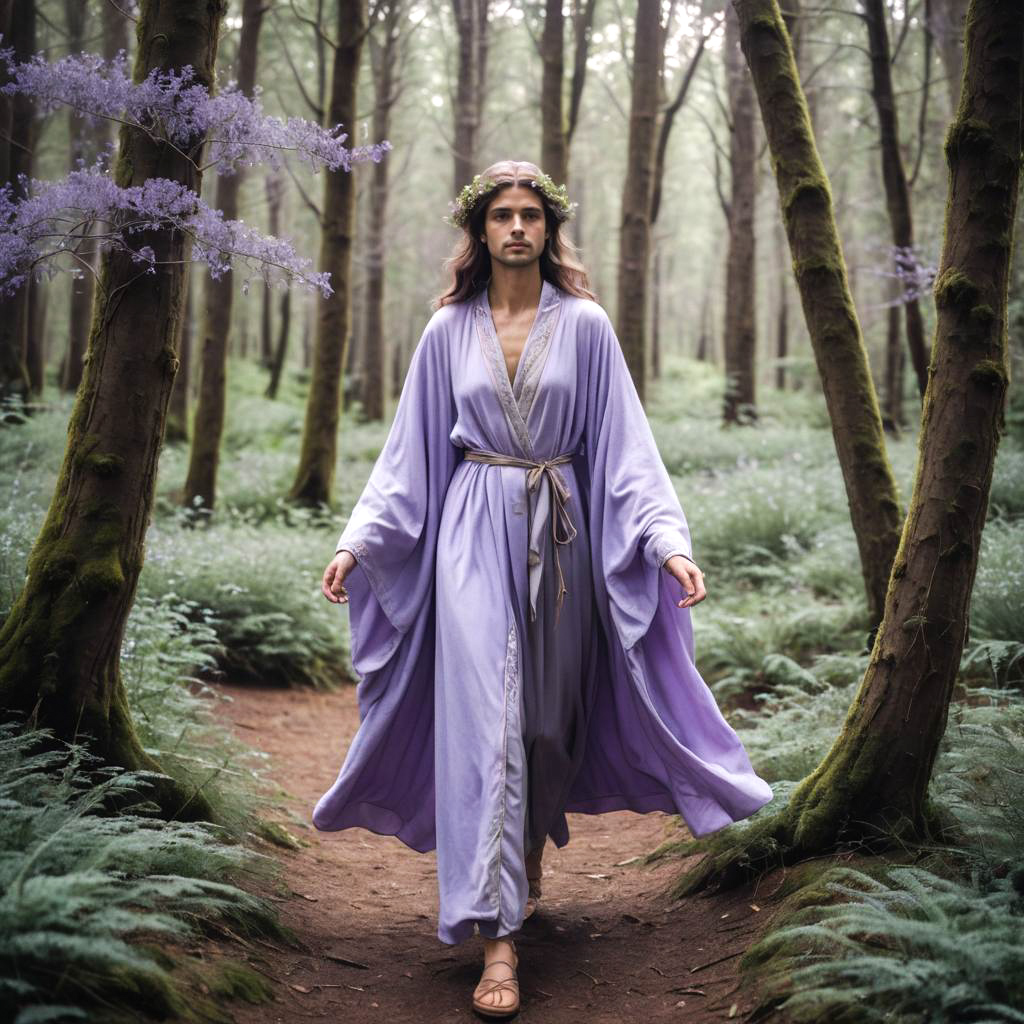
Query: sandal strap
{"points": [[495, 985], [493, 962]]}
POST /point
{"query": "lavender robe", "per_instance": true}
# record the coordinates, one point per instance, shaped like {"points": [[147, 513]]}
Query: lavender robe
{"points": [[481, 725]]}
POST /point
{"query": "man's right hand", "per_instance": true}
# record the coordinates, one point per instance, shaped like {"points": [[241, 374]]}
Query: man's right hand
{"points": [[334, 577]]}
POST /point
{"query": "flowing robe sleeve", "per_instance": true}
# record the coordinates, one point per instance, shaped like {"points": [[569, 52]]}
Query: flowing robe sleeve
{"points": [[386, 783], [637, 522], [656, 738], [392, 530]]}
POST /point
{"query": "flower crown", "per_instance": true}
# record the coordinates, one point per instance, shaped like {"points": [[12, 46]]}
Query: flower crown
{"points": [[464, 204]]}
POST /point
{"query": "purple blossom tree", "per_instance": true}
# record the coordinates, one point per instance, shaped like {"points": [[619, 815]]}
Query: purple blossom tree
{"points": [[39, 220], [60, 645]]}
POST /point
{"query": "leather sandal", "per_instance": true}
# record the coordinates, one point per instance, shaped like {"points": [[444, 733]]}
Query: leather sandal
{"points": [[497, 1011]]}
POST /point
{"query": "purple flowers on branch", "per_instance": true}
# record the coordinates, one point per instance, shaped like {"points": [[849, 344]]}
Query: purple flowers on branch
{"points": [[43, 220], [47, 221]]}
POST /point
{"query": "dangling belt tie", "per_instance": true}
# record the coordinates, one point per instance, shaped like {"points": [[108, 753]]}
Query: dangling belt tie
{"points": [[559, 492]]}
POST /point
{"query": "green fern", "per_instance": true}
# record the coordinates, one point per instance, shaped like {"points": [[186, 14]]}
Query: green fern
{"points": [[86, 871], [916, 947]]}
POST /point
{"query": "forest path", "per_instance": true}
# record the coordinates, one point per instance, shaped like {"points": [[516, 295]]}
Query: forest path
{"points": [[606, 945]]}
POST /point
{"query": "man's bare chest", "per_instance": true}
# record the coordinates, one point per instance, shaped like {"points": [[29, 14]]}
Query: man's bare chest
{"points": [[513, 333]]}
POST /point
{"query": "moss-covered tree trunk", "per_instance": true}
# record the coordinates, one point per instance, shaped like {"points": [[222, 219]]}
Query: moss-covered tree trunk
{"points": [[739, 404], [872, 785], [315, 474], [897, 190], [635, 230], [17, 120], [218, 298], [60, 645], [806, 203]]}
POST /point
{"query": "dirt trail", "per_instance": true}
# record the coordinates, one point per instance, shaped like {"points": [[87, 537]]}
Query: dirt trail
{"points": [[606, 945]]}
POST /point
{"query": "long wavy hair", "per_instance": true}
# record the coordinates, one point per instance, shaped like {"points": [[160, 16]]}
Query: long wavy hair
{"points": [[470, 264]]}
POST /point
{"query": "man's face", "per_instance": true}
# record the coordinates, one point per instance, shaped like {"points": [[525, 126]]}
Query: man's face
{"points": [[514, 226]]}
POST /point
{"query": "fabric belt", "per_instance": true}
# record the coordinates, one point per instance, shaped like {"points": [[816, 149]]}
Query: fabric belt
{"points": [[540, 502]]}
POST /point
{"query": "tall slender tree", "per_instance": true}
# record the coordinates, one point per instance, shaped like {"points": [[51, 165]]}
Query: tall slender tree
{"points": [[389, 52], [740, 333], [314, 476], [557, 124], [60, 645], [35, 337], [667, 120], [218, 298], [892, 412], [872, 786], [554, 148], [17, 142], [894, 176], [76, 18], [944, 20], [472, 28], [635, 229]]}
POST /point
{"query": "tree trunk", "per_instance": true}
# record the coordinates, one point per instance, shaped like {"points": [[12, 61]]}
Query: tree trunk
{"points": [[177, 412], [740, 335], [635, 230], [315, 475], [892, 419], [872, 786], [60, 646], [554, 148], [557, 129], [76, 14], [281, 350], [472, 49], [35, 337], [17, 140], [897, 191], [482, 30], [944, 19], [665, 129], [267, 325], [656, 314], [375, 338], [782, 325], [806, 202], [310, 314], [218, 295], [704, 341]]}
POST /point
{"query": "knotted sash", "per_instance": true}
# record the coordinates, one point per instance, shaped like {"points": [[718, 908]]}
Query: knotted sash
{"points": [[540, 500]]}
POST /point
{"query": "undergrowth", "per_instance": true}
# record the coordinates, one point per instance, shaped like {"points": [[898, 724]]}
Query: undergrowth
{"points": [[94, 888]]}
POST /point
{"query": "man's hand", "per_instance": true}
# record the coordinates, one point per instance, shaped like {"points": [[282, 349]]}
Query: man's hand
{"points": [[334, 577], [690, 576]]}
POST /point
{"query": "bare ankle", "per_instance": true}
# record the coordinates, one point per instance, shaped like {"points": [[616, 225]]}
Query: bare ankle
{"points": [[498, 948]]}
